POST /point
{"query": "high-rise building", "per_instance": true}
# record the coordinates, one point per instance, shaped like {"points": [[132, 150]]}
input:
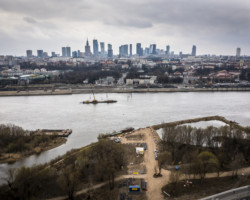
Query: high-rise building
{"points": [[238, 50], [74, 54], [123, 50], [78, 53], [150, 49], [64, 54], [68, 52], [130, 50], [102, 48], [87, 49], [29, 53], [39, 53], [194, 50], [154, 49], [110, 51], [139, 50], [95, 47], [168, 50], [45, 55], [53, 54], [147, 51]]}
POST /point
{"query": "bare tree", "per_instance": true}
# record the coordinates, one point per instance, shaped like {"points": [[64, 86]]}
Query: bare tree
{"points": [[69, 181], [236, 164]]}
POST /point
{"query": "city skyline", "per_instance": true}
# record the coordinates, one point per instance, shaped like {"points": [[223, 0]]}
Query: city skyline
{"points": [[125, 50], [215, 27]]}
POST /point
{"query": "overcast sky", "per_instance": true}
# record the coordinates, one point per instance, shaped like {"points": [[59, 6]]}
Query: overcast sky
{"points": [[214, 26]]}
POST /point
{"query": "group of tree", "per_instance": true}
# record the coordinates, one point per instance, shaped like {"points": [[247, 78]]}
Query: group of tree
{"points": [[245, 74], [205, 150], [77, 169], [77, 77], [15, 139]]}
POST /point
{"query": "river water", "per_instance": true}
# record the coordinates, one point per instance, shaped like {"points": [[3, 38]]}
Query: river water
{"points": [[136, 110]]}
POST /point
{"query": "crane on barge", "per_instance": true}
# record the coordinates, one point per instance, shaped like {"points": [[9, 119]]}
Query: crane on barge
{"points": [[96, 101]]}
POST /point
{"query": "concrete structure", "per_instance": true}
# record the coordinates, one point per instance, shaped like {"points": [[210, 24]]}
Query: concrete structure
{"points": [[29, 53], [194, 50], [68, 52], [147, 51], [110, 51], [154, 49], [139, 50], [87, 49], [39, 53], [64, 52], [142, 81], [123, 50], [53, 54], [74, 54], [45, 55], [238, 50], [130, 50], [102, 48], [95, 47], [109, 80], [168, 50]]}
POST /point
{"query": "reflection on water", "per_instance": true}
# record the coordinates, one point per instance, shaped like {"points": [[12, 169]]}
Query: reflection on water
{"points": [[137, 110]]}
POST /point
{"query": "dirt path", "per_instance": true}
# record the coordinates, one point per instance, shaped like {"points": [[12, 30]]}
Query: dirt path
{"points": [[154, 184]]}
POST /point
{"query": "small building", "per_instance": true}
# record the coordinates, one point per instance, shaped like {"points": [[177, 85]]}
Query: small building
{"points": [[134, 188], [139, 150], [109, 80]]}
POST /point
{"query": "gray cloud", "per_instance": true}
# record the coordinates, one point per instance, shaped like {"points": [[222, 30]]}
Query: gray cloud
{"points": [[30, 20], [224, 22]]}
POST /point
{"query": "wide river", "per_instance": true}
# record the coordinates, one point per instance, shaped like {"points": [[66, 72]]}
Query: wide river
{"points": [[136, 110]]}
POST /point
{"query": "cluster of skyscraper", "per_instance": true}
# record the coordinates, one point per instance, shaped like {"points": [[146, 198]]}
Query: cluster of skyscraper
{"points": [[96, 52], [124, 51], [66, 52]]}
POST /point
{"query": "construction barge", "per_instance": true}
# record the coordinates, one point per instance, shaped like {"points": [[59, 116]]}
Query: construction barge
{"points": [[58, 133], [96, 101]]}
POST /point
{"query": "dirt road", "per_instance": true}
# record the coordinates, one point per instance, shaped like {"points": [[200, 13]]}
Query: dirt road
{"points": [[154, 184]]}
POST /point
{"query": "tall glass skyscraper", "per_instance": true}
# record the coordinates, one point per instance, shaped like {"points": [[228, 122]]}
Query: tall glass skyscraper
{"points": [[95, 47], [194, 50]]}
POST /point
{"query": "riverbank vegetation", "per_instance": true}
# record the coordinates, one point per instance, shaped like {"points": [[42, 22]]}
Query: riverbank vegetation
{"points": [[17, 143], [78, 169], [199, 151], [185, 143]]}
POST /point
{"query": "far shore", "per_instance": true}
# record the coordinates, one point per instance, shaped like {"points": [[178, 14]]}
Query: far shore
{"points": [[87, 90]]}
